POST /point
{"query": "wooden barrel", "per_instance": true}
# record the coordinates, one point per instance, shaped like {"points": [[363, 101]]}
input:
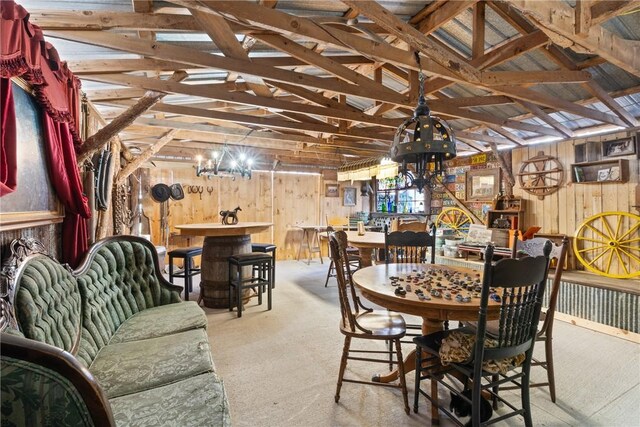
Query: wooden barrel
{"points": [[215, 268]]}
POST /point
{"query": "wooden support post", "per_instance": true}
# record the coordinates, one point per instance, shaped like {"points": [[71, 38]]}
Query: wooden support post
{"points": [[104, 135], [506, 168], [144, 156]]}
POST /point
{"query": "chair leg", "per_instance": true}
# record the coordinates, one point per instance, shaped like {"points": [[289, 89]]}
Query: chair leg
{"points": [[231, 289], [435, 415], [343, 365], [187, 278], [272, 275], [403, 380], [329, 273], [548, 349], [390, 355], [273, 281], [239, 292], [416, 394], [524, 391]]}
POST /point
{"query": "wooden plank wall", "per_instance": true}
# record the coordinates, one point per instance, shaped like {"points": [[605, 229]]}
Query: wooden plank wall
{"points": [[285, 199], [564, 211]]}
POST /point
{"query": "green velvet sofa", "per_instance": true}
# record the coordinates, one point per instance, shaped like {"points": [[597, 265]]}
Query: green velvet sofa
{"points": [[110, 343]]}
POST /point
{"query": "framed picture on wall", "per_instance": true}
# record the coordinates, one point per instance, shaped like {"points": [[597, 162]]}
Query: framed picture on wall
{"points": [[349, 196], [331, 190], [619, 147], [482, 184]]}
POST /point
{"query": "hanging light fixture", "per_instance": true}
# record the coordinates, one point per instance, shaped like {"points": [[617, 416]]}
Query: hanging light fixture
{"points": [[427, 146], [240, 166]]}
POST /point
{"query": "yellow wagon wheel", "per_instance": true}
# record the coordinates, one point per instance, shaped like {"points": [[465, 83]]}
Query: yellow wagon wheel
{"points": [[609, 244], [455, 219]]}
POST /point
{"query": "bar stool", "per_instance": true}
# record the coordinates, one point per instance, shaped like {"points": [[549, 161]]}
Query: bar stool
{"points": [[260, 263], [186, 254], [266, 248]]}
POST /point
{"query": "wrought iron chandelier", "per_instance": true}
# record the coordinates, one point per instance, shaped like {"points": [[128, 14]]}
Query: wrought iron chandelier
{"points": [[430, 145], [240, 166]]}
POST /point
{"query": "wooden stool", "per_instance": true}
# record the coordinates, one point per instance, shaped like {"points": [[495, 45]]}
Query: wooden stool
{"points": [[260, 263], [186, 254], [266, 248]]}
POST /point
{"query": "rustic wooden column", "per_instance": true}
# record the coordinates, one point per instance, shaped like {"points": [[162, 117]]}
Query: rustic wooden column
{"points": [[104, 135], [144, 156]]}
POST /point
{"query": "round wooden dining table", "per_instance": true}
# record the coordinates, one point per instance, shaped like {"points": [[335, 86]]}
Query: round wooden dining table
{"points": [[366, 243], [220, 242], [375, 285]]}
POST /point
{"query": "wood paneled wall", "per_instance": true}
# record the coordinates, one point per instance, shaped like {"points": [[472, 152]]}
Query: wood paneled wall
{"points": [[564, 211], [285, 199]]}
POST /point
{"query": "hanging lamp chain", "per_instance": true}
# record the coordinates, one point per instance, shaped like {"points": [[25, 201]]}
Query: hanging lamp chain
{"points": [[421, 77]]}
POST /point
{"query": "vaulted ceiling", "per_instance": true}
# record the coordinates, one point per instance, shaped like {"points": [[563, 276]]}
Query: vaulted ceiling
{"points": [[319, 83]]}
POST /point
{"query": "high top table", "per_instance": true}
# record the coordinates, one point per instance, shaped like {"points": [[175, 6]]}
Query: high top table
{"points": [[310, 236], [220, 242]]}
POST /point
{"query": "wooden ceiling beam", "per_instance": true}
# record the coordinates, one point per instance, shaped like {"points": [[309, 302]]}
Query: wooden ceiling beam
{"points": [[505, 52], [443, 14], [269, 122], [478, 30], [324, 63], [104, 134], [540, 113], [239, 98], [99, 95], [557, 103], [297, 26], [558, 20], [194, 57], [499, 78], [415, 38], [602, 11], [148, 134], [559, 56], [104, 66]]}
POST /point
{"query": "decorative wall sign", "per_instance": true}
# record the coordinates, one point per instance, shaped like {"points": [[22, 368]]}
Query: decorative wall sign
{"points": [[541, 175], [619, 147], [331, 190], [349, 196], [482, 184]]}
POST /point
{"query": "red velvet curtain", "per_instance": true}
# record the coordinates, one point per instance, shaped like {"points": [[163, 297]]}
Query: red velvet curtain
{"points": [[8, 160], [65, 178], [25, 53]]}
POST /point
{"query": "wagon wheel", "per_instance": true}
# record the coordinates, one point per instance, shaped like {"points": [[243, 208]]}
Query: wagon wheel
{"points": [[541, 175], [454, 219], [609, 244]]}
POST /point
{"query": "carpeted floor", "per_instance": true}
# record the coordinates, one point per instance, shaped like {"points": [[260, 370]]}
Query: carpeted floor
{"points": [[280, 367]]}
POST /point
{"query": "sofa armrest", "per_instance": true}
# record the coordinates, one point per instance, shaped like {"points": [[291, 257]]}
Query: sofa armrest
{"points": [[43, 382]]}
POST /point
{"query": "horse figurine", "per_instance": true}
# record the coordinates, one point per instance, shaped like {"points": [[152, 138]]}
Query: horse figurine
{"points": [[230, 217]]}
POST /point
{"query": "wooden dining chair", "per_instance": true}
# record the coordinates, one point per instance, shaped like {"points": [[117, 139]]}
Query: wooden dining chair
{"points": [[416, 226], [535, 247], [486, 361], [354, 259], [338, 222], [409, 246], [360, 322]]}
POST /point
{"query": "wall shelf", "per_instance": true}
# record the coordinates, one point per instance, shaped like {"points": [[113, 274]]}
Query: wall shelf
{"points": [[600, 172]]}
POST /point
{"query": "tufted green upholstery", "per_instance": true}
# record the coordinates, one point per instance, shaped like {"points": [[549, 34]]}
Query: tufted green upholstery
{"points": [[119, 282], [33, 395], [48, 303]]}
